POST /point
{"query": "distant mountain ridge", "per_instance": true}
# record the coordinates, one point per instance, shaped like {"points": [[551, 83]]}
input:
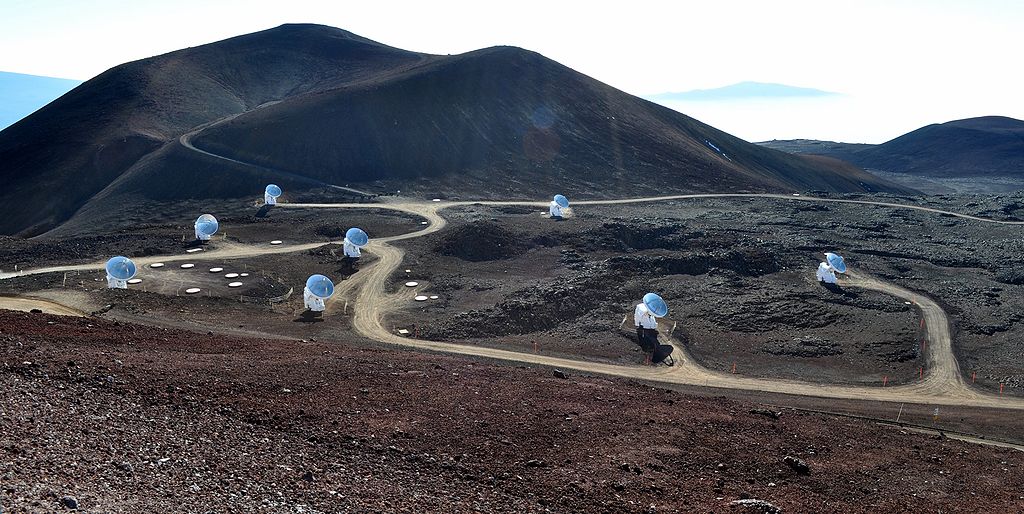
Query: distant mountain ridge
{"points": [[21, 95], [975, 147], [742, 91], [309, 104]]}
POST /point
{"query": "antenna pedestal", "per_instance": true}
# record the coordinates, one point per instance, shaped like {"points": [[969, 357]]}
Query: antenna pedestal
{"points": [[312, 301], [116, 283]]}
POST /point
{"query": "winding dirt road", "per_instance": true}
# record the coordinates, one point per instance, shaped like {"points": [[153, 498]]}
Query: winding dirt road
{"points": [[943, 384]]}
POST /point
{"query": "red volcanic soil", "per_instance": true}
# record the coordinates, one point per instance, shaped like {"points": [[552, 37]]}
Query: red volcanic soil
{"points": [[126, 418]]}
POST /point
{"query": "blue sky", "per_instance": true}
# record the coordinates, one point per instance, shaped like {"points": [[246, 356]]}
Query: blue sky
{"points": [[898, 64]]}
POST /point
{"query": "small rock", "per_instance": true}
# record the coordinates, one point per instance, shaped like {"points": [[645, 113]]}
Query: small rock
{"points": [[69, 502], [308, 476], [36, 311], [561, 374], [534, 463], [767, 412], [798, 465], [624, 466]]}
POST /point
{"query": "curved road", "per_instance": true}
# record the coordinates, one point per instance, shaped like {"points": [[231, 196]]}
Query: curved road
{"points": [[942, 385]]}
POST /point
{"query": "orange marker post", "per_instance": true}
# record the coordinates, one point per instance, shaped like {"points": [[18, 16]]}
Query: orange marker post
{"points": [[734, 367], [974, 376], [920, 374], [536, 349], [885, 380], [1000, 389]]}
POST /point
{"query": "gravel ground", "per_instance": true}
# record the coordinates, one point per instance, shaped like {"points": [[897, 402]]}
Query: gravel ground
{"points": [[113, 417]]}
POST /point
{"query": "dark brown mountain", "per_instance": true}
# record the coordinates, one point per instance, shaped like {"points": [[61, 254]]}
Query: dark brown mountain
{"points": [[975, 147], [59, 158], [306, 104]]}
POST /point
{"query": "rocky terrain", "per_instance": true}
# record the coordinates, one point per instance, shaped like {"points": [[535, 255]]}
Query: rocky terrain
{"points": [[112, 417], [738, 276]]}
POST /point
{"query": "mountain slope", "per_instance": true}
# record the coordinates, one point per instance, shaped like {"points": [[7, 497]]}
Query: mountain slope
{"points": [[65, 153], [991, 145], [322, 104], [515, 115], [20, 94], [974, 147]]}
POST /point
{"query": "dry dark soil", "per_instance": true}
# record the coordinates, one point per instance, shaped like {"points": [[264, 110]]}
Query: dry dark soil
{"points": [[114, 417]]}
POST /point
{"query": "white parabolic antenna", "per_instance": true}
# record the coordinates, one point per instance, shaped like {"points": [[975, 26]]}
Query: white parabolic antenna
{"points": [[357, 237], [206, 226], [562, 201], [121, 268], [320, 286], [655, 304], [836, 262], [271, 193]]}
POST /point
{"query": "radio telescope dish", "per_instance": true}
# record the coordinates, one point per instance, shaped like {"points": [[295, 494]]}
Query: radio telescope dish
{"points": [[655, 304], [320, 286], [562, 201], [836, 262], [271, 193], [119, 270], [357, 237], [206, 226]]}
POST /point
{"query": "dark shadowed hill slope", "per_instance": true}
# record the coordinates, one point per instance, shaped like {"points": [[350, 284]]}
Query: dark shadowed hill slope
{"points": [[506, 121], [986, 146], [992, 145], [58, 158], [314, 102]]}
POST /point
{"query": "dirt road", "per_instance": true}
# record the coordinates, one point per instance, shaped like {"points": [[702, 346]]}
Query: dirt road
{"points": [[20, 303], [941, 385]]}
